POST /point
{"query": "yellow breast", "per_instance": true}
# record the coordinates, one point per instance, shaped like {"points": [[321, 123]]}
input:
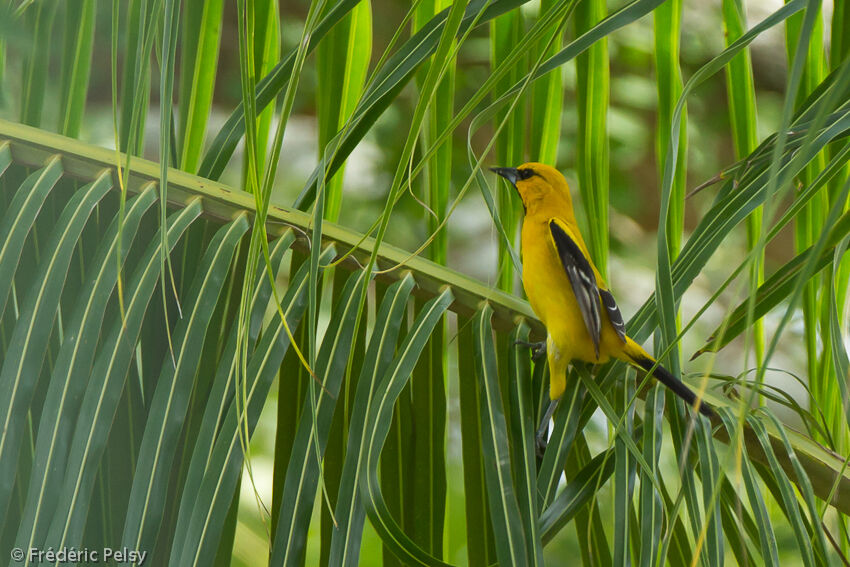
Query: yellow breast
{"points": [[551, 296]]}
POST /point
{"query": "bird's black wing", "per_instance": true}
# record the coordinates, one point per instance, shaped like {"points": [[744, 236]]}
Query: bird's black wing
{"points": [[582, 279], [614, 314]]}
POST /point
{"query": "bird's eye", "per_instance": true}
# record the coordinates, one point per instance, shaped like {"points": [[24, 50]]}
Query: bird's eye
{"points": [[525, 173]]}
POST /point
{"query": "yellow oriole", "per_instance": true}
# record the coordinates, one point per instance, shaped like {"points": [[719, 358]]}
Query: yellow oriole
{"points": [[565, 289]]}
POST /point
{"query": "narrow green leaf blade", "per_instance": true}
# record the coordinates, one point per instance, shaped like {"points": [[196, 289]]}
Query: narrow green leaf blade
{"points": [[804, 484], [19, 220], [199, 66], [651, 508], [22, 368], [428, 479], [220, 398], [76, 66], [775, 289], [510, 541], [592, 86], [70, 375], [350, 513], [222, 466], [576, 494], [37, 64], [624, 475], [377, 427], [523, 432], [480, 544], [103, 392], [711, 477], [766, 535], [342, 60], [170, 401], [547, 101], [302, 474], [566, 427], [789, 499]]}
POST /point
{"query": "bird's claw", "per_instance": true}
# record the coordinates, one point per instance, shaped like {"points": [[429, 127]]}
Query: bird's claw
{"points": [[540, 443], [540, 439], [538, 348]]}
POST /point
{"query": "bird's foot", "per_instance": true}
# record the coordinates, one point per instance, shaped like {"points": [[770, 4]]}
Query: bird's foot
{"points": [[538, 348], [540, 444], [540, 439]]}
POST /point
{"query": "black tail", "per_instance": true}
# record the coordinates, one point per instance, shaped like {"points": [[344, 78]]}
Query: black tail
{"points": [[677, 386]]}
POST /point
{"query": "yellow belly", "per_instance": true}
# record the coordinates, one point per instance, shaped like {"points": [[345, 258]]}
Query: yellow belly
{"points": [[550, 293], [552, 299]]}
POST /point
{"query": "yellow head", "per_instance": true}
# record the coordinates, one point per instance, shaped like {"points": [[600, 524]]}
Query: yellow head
{"points": [[539, 186]]}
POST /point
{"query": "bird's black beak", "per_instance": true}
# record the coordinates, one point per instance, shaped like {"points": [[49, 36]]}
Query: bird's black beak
{"points": [[509, 173]]}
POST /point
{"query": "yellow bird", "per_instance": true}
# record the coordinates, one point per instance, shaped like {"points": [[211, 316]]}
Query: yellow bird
{"points": [[566, 290]]}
